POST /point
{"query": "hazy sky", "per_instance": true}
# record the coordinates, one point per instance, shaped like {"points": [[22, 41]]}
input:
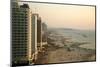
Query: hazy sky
{"points": [[65, 16]]}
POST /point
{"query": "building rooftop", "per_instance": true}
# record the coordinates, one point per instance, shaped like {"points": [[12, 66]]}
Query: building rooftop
{"points": [[24, 6]]}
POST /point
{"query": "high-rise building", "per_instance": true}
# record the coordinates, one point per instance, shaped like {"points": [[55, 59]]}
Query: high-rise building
{"points": [[21, 33], [39, 34], [44, 34], [34, 36]]}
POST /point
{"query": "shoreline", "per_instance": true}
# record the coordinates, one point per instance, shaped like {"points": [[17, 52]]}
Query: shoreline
{"points": [[62, 49]]}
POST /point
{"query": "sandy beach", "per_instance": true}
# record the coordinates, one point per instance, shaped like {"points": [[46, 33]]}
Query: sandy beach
{"points": [[60, 55]]}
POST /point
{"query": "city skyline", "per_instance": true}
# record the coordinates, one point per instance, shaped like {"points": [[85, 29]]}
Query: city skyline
{"points": [[66, 16], [27, 37]]}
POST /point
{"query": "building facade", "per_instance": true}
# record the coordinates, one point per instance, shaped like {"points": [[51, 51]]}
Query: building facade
{"points": [[34, 36], [39, 34], [21, 34], [44, 34]]}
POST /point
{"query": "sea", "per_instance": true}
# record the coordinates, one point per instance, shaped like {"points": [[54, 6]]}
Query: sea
{"points": [[80, 36]]}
